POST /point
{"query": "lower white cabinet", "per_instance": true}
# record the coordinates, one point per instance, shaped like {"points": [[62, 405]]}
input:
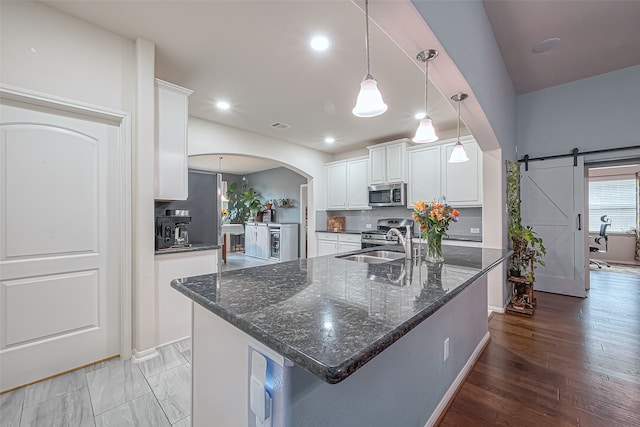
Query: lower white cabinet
{"points": [[257, 240], [334, 243], [173, 309]]}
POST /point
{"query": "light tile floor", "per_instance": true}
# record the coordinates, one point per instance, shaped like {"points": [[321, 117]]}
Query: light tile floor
{"points": [[115, 393]]}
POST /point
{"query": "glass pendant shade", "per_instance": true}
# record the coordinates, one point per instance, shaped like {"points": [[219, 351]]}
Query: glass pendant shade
{"points": [[458, 155], [369, 102], [425, 133]]}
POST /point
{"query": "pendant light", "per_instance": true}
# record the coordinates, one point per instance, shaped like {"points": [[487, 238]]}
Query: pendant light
{"points": [[425, 132], [223, 197], [458, 155], [369, 102]]}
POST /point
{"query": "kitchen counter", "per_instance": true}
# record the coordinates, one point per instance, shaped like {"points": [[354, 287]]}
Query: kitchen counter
{"points": [[289, 306], [340, 232], [193, 248]]}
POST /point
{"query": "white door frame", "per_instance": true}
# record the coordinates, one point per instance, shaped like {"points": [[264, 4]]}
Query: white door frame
{"points": [[123, 121]]}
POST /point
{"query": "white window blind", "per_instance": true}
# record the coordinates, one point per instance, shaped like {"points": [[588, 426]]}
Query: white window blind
{"points": [[615, 198]]}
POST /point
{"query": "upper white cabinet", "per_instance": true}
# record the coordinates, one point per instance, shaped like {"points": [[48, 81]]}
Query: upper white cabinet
{"points": [[347, 184], [387, 162], [171, 171], [431, 175], [424, 175], [462, 182]]}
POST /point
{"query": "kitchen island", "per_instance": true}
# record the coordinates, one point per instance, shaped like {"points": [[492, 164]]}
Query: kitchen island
{"points": [[346, 343]]}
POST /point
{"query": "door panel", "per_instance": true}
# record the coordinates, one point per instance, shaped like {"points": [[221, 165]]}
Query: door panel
{"points": [[59, 260], [552, 194]]}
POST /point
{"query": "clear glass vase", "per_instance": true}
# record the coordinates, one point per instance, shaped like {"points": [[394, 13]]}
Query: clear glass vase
{"points": [[433, 250]]}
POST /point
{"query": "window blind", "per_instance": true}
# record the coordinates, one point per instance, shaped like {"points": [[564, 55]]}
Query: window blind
{"points": [[615, 198]]}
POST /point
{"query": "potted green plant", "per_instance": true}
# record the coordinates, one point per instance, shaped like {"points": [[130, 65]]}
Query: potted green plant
{"points": [[244, 202], [528, 248]]}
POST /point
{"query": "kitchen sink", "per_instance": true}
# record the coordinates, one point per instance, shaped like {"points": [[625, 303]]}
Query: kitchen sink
{"points": [[373, 257]]}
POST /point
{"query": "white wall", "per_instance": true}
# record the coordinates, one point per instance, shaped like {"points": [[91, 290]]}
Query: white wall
{"points": [[590, 114], [207, 137]]}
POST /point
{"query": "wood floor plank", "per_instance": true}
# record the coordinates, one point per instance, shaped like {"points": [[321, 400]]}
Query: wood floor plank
{"points": [[575, 362]]}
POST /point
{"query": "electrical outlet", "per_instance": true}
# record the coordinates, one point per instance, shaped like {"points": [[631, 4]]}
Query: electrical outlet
{"points": [[475, 230], [367, 226], [446, 349]]}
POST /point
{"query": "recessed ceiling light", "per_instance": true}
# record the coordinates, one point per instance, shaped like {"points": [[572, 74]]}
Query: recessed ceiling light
{"points": [[329, 140], [319, 43], [223, 105], [419, 116], [33, 50], [546, 45]]}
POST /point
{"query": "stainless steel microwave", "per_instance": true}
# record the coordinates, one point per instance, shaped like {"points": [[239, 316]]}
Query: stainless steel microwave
{"points": [[388, 194]]}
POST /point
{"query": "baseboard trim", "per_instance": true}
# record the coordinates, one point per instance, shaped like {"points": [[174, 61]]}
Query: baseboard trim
{"points": [[496, 309], [141, 356], [450, 394]]}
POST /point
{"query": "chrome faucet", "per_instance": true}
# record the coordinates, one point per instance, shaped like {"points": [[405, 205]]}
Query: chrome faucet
{"points": [[406, 241]]}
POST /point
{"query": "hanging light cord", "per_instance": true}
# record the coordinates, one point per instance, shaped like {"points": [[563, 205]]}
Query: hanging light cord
{"points": [[366, 38], [459, 101], [426, 84]]}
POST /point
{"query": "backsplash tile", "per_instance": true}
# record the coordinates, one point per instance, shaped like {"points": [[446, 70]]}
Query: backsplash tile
{"points": [[358, 220]]}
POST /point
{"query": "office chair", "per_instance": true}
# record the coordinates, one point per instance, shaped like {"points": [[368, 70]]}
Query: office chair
{"points": [[602, 235]]}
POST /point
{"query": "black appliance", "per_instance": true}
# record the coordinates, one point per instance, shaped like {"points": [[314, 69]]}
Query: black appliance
{"points": [[379, 237], [172, 231], [388, 194]]}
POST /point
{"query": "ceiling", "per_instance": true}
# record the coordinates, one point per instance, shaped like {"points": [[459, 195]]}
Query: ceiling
{"points": [[595, 37], [237, 165], [255, 54]]}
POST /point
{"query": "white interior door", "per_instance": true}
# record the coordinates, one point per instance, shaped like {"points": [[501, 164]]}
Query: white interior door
{"points": [[552, 194], [59, 259]]}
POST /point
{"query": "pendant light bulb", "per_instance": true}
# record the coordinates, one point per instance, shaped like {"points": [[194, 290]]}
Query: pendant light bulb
{"points": [[458, 155], [426, 132], [369, 102]]}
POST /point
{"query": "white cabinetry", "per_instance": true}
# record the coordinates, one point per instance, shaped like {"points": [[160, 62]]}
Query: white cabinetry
{"points": [[462, 182], [334, 243], [387, 162], [257, 240], [431, 175], [174, 309], [172, 110], [347, 184], [424, 175]]}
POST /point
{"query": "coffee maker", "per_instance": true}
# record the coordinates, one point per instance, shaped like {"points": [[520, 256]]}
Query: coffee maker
{"points": [[172, 231]]}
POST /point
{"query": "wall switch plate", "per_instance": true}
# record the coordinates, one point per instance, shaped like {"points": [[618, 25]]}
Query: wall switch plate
{"points": [[475, 230], [367, 226], [446, 349]]}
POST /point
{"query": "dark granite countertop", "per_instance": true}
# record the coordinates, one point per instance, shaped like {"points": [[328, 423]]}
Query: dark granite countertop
{"points": [[194, 247], [330, 315]]}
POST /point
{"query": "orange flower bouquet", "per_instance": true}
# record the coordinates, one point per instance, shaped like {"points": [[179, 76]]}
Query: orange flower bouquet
{"points": [[434, 219]]}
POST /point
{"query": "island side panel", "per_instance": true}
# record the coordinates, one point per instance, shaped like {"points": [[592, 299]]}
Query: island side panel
{"points": [[405, 384]]}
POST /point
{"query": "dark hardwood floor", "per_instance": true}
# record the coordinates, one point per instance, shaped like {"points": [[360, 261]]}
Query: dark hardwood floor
{"points": [[575, 362]]}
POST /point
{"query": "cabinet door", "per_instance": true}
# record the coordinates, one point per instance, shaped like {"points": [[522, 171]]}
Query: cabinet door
{"points": [[396, 163], [326, 247], [377, 165], [250, 240], [424, 175], [357, 191], [263, 245], [348, 247], [171, 175], [336, 186], [462, 182]]}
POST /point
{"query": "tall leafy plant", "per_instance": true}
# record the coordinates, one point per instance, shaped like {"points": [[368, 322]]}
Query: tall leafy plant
{"points": [[244, 202], [528, 248]]}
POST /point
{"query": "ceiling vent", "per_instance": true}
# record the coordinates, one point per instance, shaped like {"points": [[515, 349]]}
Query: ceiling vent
{"points": [[281, 126]]}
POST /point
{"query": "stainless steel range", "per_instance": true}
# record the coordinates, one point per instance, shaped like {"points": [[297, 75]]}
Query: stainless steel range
{"points": [[379, 237]]}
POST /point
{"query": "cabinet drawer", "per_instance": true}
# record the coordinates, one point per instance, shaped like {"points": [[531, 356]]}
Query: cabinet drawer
{"points": [[327, 236], [350, 238]]}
